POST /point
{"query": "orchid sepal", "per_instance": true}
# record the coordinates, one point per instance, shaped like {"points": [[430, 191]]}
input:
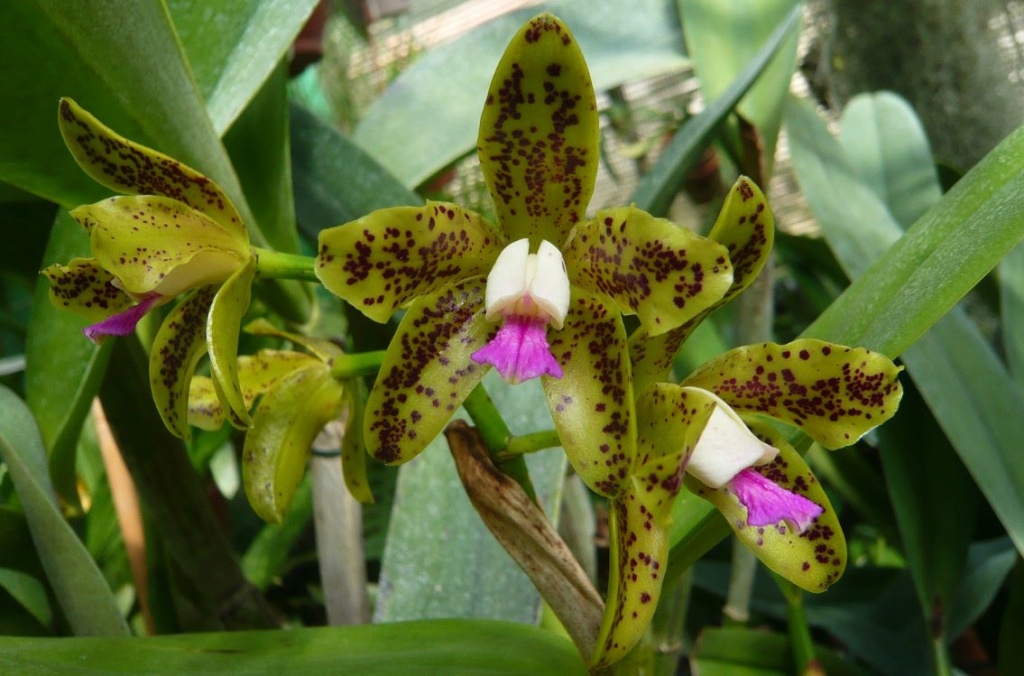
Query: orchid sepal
{"points": [[130, 168], [386, 259], [85, 288], [428, 371], [648, 266], [833, 393], [223, 324], [539, 133], [592, 403]]}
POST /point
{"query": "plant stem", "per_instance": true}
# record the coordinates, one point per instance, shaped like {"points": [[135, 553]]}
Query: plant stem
{"points": [[495, 434], [277, 265], [741, 584], [347, 366], [799, 632], [668, 628], [529, 443]]}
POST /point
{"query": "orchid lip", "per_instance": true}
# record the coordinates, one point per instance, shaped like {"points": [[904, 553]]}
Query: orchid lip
{"points": [[123, 323], [520, 350], [768, 503]]}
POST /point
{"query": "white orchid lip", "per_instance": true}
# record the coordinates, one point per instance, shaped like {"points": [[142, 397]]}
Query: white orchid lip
{"points": [[726, 448], [528, 285]]}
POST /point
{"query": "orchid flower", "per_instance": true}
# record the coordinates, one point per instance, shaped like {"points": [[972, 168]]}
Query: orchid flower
{"points": [[298, 395], [171, 231], [539, 295]]}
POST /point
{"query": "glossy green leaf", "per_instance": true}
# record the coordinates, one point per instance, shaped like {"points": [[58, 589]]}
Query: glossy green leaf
{"points": [[123, 63], [722, 36], [1011, 301], [284, 426], [538, 142], [29, 592], [82, 592], [648, 266], [389, 257], [592, 403], [440, 576], [177, 348], [656, 190], [66, 367], [335, 180], [223, 325], [942, 257], [915, 282], [409, 648], [622, 42], [888, 149], [739, 651], [233, 48], [259, 147]]}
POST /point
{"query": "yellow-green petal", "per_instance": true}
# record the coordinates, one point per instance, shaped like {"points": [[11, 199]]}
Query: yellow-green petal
{"points": [[639, 554], [177, 347], [670, 420], [353, 448], [812, 560], [592, 403], [257, 374], [222, 328], [539, 134], [159, 244], [384, 260], [746, 227], [85, 288], [285, 424], [427, 371], [133, 169], [321, 347], [835, 394], [649, 266]]}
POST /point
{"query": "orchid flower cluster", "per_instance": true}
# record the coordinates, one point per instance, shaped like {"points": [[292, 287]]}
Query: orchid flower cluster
{"points": [[541, 293]]}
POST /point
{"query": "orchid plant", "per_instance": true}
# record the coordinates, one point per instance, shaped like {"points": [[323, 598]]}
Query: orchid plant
{"points": [[540, 294]]}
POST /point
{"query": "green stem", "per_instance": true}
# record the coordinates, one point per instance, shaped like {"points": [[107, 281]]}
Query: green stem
{"points": [[347, 366], [668, 628], [277, 265], [799, 631], [528, 443], [741, 585], [496, 437]]}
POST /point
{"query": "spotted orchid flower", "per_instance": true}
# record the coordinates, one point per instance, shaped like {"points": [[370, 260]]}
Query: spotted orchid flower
{"points": [[539, 295], [172, 231], [710, 433], [297, 395]]}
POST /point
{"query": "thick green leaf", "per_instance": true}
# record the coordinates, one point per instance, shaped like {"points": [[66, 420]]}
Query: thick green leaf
{"points": [[259, 148], [461, 570], [888, 149], [82, 592], [233, 47], [66, 368], [722, 36], [405, 649], [120, 60], [1011, 300], [939, 260], [738, 651], [944, 254], [622, 41], [989, 563], [335, 180], [656, 190], [29, 592]]}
